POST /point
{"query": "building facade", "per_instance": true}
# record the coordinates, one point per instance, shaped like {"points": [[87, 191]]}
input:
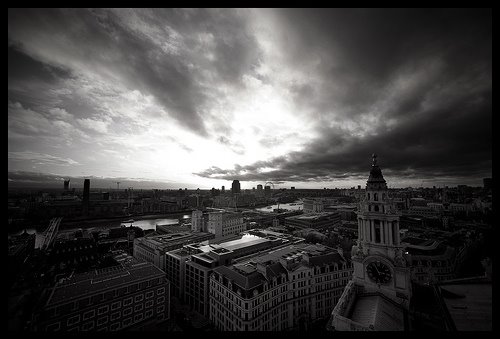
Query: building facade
{"points": [[313, 205], [319, 221], [190, 268], [198, 221], [153, 249], [286, 289], [235, 186], [223, 224], [128, 296]]}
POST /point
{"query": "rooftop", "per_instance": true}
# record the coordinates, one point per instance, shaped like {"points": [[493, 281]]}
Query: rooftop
{"points": [[378, 312], [245, 241], [312, 216], [92, 282], [469, 303]]}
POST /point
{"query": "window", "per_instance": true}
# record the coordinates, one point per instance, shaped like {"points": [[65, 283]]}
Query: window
{"points": [[89, 314], [375, 196], [102, 320], [88, 326], [103, 309], [115, 315], [377, 231], [138, 307], [127, 311], [149, 303], [126, 322], [139, 297], [116, 305], [160, 291], [394, 231], [149, 294], [114, 327], [127, 301], [138, 317], [73, 320], [53, 327], [160, 309], [160, 300], [148, 313]]}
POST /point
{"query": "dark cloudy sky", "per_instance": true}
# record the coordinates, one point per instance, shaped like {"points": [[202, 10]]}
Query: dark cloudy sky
{"points": [[301, 97]]}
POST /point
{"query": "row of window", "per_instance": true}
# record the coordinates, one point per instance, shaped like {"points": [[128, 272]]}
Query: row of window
{"points": [[89, 325]]}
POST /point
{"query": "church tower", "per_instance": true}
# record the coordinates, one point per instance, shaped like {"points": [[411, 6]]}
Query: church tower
{"points": [[380, 262]]}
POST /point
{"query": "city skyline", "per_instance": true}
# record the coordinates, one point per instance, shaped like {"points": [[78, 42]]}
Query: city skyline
{"points": [[198, 98]]}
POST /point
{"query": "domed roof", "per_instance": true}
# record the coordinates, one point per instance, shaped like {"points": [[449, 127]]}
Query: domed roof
{"points": [[375, 173]]}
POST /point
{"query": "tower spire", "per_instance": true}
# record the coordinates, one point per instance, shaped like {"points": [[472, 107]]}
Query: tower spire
{"points": [[374, 159]]}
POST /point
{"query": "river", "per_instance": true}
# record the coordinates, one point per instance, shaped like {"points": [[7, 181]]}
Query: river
{"points": [[294, 206], [145, 224], [148, 224]]}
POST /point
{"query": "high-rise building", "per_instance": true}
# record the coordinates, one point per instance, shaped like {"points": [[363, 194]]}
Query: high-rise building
{"points": [[86, 196], [86, 190], [378, 296], [267, 190], [223, 190], [66, 185], [236, 187]]}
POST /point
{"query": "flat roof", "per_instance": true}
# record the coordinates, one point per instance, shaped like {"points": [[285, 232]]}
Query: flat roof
{"points": [[246, 241], [89, 283], [471, 306]]}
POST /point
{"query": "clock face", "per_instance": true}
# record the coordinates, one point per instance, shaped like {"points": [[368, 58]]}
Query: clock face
{"points": [[379, 272]]}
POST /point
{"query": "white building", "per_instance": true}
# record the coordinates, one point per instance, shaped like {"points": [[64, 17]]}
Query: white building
{"points": [[189, 268], [154, 249], [197, 221], [223, 224], [286, 289], [311, 205]]}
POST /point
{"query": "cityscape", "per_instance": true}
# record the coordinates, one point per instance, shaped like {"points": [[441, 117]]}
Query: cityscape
{"points": [[250, 169]]}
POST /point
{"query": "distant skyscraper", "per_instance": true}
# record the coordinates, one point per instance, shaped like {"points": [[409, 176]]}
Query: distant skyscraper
{"points": [[86, 190], [235, 187], [259, 187], [66, 185], [223, 190], [86, 195], [267, 190]]}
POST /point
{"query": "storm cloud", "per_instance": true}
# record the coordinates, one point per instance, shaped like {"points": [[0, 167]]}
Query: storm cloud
{"points": [[282, 95]]}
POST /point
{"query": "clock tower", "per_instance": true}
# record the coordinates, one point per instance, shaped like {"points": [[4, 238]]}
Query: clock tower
{"points": [[380, 262]]}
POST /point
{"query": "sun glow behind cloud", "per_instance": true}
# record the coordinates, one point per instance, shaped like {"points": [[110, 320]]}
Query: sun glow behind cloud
{"points": [[258, 93]]}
